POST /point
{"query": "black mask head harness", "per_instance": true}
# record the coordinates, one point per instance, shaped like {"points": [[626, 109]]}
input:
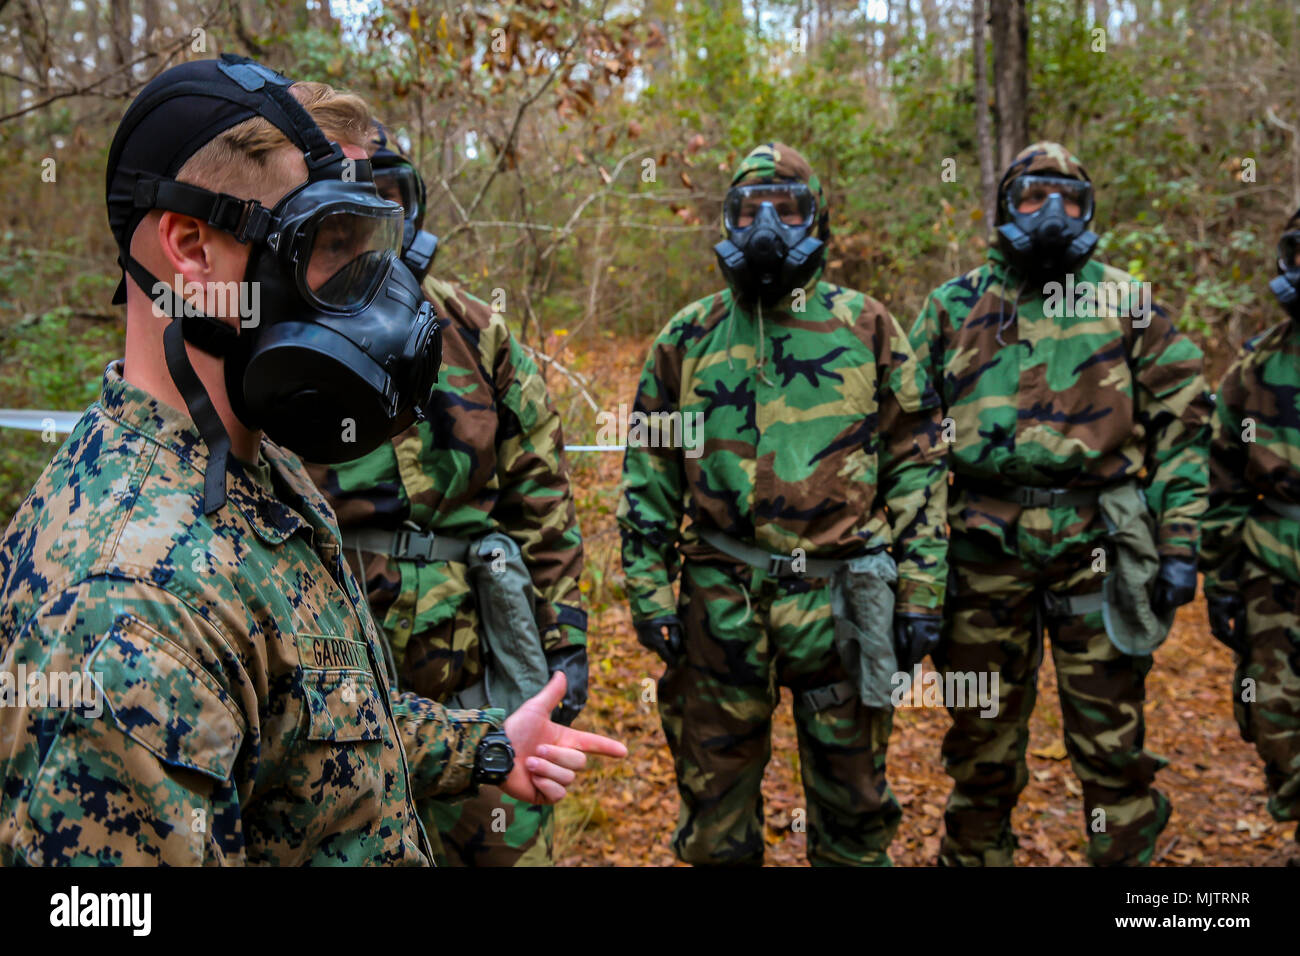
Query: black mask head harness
{"points": [[342, 351]]}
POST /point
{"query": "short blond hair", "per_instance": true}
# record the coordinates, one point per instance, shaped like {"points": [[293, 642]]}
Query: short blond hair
{"points": [[245, 161]]}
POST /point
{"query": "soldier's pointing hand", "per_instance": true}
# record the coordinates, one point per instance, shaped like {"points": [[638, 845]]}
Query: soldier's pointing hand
{"points": [[547, 754]]}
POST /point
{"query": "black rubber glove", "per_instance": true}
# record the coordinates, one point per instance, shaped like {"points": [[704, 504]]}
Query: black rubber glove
{"points": [[663, 635], [1175, 585], [915, 635], [1228, 620], [573, 661]]}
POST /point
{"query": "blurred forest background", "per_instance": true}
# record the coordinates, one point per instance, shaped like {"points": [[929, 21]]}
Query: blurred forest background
{"points": [[576, 151], [576, 154]]}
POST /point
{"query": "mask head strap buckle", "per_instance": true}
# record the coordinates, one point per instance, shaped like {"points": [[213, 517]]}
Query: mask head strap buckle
{"points": [[246, 219]]}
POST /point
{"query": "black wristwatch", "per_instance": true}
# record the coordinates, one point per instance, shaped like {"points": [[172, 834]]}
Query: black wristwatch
{"points": [[494, 759]]}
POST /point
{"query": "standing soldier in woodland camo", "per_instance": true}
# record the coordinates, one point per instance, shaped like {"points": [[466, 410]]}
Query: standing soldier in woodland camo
{"points": [[1079, 423], [1251, 534], [814, 556], [464, 531]]}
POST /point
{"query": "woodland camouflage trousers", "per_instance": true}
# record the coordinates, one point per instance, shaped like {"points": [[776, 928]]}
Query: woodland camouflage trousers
{"points": [[994, 624], [1271, 665], [747, 635]]}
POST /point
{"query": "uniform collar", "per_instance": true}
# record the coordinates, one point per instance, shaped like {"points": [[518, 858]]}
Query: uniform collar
{"points": [[783, 309], [272, 519]]}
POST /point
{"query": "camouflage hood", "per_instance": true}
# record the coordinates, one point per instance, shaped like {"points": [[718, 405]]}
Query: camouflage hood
{"points": [[1042, 159]]}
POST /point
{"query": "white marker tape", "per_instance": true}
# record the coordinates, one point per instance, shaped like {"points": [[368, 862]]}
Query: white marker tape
{"points": [[35, 421]]}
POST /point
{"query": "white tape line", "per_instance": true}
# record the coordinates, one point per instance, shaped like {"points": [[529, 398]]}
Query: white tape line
{"points": [[38, 421]]}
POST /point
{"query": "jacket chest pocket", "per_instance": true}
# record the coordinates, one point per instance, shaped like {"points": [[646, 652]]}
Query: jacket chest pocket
{"points": [[340, 693]]}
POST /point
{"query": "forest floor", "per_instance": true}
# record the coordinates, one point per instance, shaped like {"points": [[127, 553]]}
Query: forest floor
{"points": [[623, 812]]}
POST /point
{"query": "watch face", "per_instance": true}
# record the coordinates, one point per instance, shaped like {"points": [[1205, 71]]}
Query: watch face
{"points": [[497, 759]]}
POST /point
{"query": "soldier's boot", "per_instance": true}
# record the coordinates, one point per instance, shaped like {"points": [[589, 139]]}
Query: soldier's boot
{"points": [[490, 829], [1102, 692], [716, 708], [1266, 693], [990, 628]]}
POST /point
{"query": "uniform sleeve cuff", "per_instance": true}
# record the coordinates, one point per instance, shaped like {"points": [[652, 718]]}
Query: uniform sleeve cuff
{"points": [[463, 730]]}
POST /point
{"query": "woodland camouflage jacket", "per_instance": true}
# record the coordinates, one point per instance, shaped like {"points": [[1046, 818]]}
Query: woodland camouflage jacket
{"points": [[1255, 451], [490, 457], [818, 430], [832, 445], [244, 717], [1080, 400], [1057, 388]]}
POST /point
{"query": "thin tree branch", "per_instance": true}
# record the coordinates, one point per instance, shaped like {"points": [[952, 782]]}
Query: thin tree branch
{"points": [[528, 101]]}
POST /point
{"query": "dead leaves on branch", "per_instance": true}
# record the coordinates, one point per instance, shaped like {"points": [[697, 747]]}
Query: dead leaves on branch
{"points": [[481, 51]]}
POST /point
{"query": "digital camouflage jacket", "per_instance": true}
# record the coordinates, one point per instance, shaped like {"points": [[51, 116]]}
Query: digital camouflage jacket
{"points": [[817, 430], [232, 708], [1076, 394], [490, 457], [1254, 452]]}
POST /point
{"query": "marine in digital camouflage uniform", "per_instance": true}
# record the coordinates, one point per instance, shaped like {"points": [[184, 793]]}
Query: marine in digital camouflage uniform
{"points": [[1251, 550], [220, 692], [820, 432], [491, 457], [1070, 403], [245, 716]]}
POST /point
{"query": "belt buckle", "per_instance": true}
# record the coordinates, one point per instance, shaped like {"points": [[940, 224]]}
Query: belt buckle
{"points": [[403, 547], [1040, 497], [778, 566]]}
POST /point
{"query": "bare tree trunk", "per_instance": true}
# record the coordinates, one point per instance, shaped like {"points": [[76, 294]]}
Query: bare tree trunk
{"points": [[930, 17], [983, 136], [152, 24], [34, 37], [889, 44], [1100, 13], [1010, 24], [120, 24], [324, 19]]}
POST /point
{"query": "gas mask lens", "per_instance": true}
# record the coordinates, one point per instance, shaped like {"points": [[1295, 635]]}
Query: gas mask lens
{"points": [[793, 203], [1028, 194], [1288, 252], [350, 254], [398, 184]]}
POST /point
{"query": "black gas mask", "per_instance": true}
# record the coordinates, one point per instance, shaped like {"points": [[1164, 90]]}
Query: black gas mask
{"points": [[342, 351], [1048, 241], [1286, 284], [398, 181], [770, 249]]}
